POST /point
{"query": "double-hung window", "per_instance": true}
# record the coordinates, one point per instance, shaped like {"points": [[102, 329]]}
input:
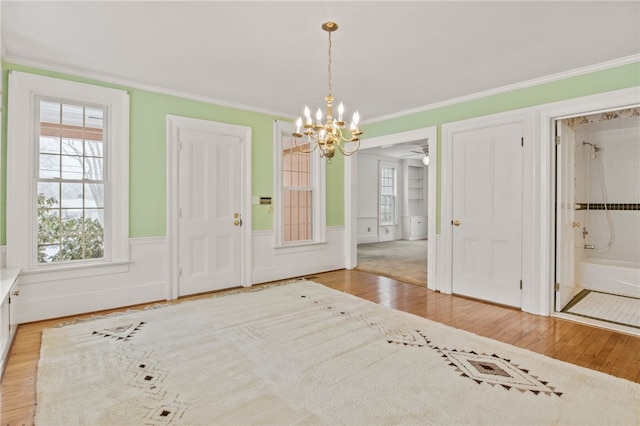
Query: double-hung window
{"points": [[67, 175], [299, 191], [388, 195], [70, 182]]}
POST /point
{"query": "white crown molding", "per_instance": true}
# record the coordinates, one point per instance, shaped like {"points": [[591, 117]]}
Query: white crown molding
{"points": [[478, 95], [512, 87], [137, 85]]}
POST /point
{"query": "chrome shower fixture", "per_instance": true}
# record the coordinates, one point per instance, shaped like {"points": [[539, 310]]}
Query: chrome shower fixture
{"points": [[595, 147]]}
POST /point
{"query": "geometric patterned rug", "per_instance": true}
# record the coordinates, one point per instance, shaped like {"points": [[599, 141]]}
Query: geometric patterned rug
{"points": [[303, 353], [481, 368]]}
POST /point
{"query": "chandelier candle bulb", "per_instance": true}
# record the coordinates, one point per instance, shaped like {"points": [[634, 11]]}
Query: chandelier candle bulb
{"points": [[298, 125], [340, 111], [307, 115]]}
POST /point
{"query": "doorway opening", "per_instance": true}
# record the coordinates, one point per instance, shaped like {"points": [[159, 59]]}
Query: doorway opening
{"points": [[392, 211], [598, 218], [390, 198]]}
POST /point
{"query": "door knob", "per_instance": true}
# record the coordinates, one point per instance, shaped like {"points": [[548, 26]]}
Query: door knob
{"points": [[455, 223]]}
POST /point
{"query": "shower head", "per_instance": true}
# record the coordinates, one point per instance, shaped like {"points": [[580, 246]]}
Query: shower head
{"points": [[595, 147]]}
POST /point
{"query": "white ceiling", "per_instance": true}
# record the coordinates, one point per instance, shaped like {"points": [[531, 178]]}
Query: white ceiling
{"points": [[388, 57]]}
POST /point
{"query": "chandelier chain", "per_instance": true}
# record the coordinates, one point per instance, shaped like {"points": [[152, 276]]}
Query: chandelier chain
{"points": [[329, 66]]}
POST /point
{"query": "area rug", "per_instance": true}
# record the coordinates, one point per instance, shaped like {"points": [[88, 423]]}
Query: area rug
{"points": [[612, 308], [302, 353]]}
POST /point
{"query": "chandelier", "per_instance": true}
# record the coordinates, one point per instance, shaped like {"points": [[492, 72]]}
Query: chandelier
{"points": [[328, 135]]}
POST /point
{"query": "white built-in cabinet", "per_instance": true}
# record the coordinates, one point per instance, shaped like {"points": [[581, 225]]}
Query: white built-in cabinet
{"points": [[8, 278], [414, 220], [414, 227]]}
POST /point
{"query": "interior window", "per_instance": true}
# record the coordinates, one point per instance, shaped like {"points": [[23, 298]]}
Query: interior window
{"points": [[387, 195]]}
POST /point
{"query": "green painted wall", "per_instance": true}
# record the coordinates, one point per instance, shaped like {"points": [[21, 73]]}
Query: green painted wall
{"points": [[147, 138], [589, 84], [148, 155]]}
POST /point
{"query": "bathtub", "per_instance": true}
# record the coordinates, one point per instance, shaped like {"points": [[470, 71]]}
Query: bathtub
{"points": [[609, 276]]}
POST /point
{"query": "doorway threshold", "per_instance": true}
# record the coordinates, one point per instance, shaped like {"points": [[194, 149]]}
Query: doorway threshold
{"points": [[598, 323]]}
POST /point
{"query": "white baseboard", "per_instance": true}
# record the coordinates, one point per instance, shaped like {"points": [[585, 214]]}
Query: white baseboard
{"points": [[299, 269], [367, 239]]}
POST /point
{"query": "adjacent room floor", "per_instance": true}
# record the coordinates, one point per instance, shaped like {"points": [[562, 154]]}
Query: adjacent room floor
{"points": [[402, 260], [621, 310]]}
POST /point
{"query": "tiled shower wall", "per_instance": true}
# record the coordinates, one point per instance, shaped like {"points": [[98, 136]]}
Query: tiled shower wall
{"points": [[619, 160]]}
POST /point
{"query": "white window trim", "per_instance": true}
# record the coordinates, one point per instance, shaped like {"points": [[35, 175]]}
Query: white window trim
{"points": [[393, 166], [24, 90], [318, 177]]}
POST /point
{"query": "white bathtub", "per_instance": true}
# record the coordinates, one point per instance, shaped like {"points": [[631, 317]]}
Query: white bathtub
{"points": [[609, 276]]}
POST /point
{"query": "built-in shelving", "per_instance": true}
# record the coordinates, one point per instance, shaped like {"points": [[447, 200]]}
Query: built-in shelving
{"points": [[415, 190], [414, 219]]}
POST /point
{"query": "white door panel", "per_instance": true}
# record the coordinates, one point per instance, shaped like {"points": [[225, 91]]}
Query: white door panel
{"points": [[208, 199], [487, 213], [565, 215]]}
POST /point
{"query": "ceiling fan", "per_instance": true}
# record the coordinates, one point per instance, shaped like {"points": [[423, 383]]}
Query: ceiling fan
{"points": [[424, 151]]}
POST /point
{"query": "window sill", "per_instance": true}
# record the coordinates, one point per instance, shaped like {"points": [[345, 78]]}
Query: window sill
{"points": [[66, 272], [300, 247]]}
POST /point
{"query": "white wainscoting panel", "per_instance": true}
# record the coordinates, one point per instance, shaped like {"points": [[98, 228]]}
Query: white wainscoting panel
{"points": [[145, 280], [367, 229], [146, 277], [271, 264]]}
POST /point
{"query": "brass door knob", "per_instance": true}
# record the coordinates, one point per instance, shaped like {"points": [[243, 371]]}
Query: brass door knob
{"points": [[456, 223], [16, 293]]}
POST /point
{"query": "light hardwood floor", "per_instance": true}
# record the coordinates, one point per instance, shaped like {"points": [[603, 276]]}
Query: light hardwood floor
{"points": [[598, 349]]}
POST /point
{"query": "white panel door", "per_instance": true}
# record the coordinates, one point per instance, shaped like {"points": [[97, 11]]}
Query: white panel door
{"points": [[487, 214], [209, 191], [565, 215]]}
